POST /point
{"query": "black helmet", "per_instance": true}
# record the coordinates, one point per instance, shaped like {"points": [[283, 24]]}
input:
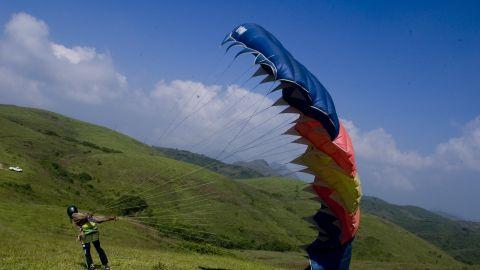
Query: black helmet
{"points": [[71, 209]]}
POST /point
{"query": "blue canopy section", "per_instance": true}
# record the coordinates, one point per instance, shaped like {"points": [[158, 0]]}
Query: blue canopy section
{"points": [[326, 252], [301, 89]]}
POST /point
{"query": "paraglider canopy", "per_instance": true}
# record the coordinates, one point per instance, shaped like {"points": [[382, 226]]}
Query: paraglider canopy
{"points": [[329, 155], [301, 89]]}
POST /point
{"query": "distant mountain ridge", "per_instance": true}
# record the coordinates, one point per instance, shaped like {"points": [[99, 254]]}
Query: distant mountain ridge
{"points": [[229, 170], [447, 215], [237, 170], [461, 239], [267, 169]]}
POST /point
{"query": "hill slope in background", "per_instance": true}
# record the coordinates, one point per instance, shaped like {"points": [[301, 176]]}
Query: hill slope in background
{"points": [[187, 207], [66, 160], [461, 239], [229, 170], [267, 169]]}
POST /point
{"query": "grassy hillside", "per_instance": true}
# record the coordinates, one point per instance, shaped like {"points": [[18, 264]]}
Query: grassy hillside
{"points": [[40, 237], [460, 239], [67, 161], [378, 240], [175, 213]]}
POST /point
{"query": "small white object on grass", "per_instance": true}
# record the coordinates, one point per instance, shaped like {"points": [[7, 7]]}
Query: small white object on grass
{"points": [[15, 169]]}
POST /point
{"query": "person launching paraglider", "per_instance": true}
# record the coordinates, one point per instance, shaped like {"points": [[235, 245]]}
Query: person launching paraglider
{"points": [[89, 234]]}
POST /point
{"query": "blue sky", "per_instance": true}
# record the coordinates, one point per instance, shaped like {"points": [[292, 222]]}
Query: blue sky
{"points": [[385, 63], [408, 69]]}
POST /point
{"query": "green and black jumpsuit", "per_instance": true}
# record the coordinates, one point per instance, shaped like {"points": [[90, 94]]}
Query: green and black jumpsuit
{"points": [[89, 234]]}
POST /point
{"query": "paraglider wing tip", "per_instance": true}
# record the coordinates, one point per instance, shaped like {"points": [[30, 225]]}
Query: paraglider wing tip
{"points": [[310, 220], [231, 46], [227, 39], [309, 189], [260, 71], [243, 51], [280, 102], [291, 131], [298, 160], [302, 141], [267, 79], [290, 109]]}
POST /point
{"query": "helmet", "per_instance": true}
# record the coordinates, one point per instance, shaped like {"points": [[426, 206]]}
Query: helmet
{"points": [[71, 209]]}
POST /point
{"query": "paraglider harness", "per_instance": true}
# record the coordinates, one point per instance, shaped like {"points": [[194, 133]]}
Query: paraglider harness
{"points": [[89, 233]]}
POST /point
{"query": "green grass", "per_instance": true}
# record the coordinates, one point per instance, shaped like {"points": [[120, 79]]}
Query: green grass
{"points": [[460, 239], [378, 240], [195, 217], [41, 237]]}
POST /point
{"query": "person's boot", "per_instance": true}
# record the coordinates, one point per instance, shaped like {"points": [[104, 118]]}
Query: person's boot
{"points": [[91, 267], [106, 267]]}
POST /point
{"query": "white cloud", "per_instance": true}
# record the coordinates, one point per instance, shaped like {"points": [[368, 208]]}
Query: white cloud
{"points": [[28, 32], [74, 55], [461, 152], [390, 177], [385, 164], [198, 114], [16, 89], [379, 146], [35, 69]]}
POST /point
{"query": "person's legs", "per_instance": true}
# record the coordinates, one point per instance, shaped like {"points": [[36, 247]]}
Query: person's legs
{"points": [[88, 255], [101, 252]]}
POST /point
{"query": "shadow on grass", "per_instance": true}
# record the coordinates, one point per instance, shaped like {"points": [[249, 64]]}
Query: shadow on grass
{"points": [[82, 264], [209, 268]]}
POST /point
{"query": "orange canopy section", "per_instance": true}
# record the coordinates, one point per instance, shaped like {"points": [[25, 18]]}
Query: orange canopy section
{"points": [[340, 149], [336, 179]]}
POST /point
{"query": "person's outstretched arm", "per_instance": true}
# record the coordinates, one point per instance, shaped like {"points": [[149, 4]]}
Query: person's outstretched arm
{"points": [[100, 219]]}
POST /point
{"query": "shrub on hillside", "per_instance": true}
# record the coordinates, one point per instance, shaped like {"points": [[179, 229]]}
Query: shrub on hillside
{"points": [[61, 173], [84, 177], [50, 133], [70, 139], [109, 150], [202, 248], [20, 188], [101, 148], [130, 204], [64, 174], [277, 245]]}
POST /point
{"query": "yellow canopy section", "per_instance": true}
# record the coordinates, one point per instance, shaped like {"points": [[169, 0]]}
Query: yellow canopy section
{"points": [[347, 187]]}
